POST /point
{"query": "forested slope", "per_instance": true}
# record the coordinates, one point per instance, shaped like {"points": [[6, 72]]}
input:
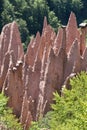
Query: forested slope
{"points": [[30, 14]]}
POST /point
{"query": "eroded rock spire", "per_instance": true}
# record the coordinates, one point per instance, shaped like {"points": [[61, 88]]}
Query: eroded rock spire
{"points": [[30, 79]]}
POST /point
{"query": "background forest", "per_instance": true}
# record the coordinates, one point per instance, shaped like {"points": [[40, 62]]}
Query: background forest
{"points": [[29, 14]]}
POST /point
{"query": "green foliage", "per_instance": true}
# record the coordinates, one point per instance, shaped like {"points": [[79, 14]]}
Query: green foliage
{"points": [[42, 124], [63, 8], [53, 20], [39, 10], [30, 14], [70, 110], [8, 12], [8, 121]]}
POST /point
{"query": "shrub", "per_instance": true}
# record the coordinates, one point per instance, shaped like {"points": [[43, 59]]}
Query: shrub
{"points": [[70, 110], [8, 121]]}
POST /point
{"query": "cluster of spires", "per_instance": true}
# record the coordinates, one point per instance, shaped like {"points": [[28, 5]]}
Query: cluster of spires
{"points": [[29, 79]]}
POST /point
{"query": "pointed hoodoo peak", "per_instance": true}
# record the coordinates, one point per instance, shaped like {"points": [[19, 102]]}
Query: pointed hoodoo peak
{"points": [[14, 27], [64, 37], [30, 45], [37, 36], [31, 42], [58, 41], [5, 28], [45, 22], [72, 20], [71, 32], [14, 23], [4, 41], [36, 41], [74, 49], [15, 41]]}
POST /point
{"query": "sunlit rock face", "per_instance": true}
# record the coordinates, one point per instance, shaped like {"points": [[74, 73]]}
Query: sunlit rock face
{"points": [[72, 31], [29, 79]]}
